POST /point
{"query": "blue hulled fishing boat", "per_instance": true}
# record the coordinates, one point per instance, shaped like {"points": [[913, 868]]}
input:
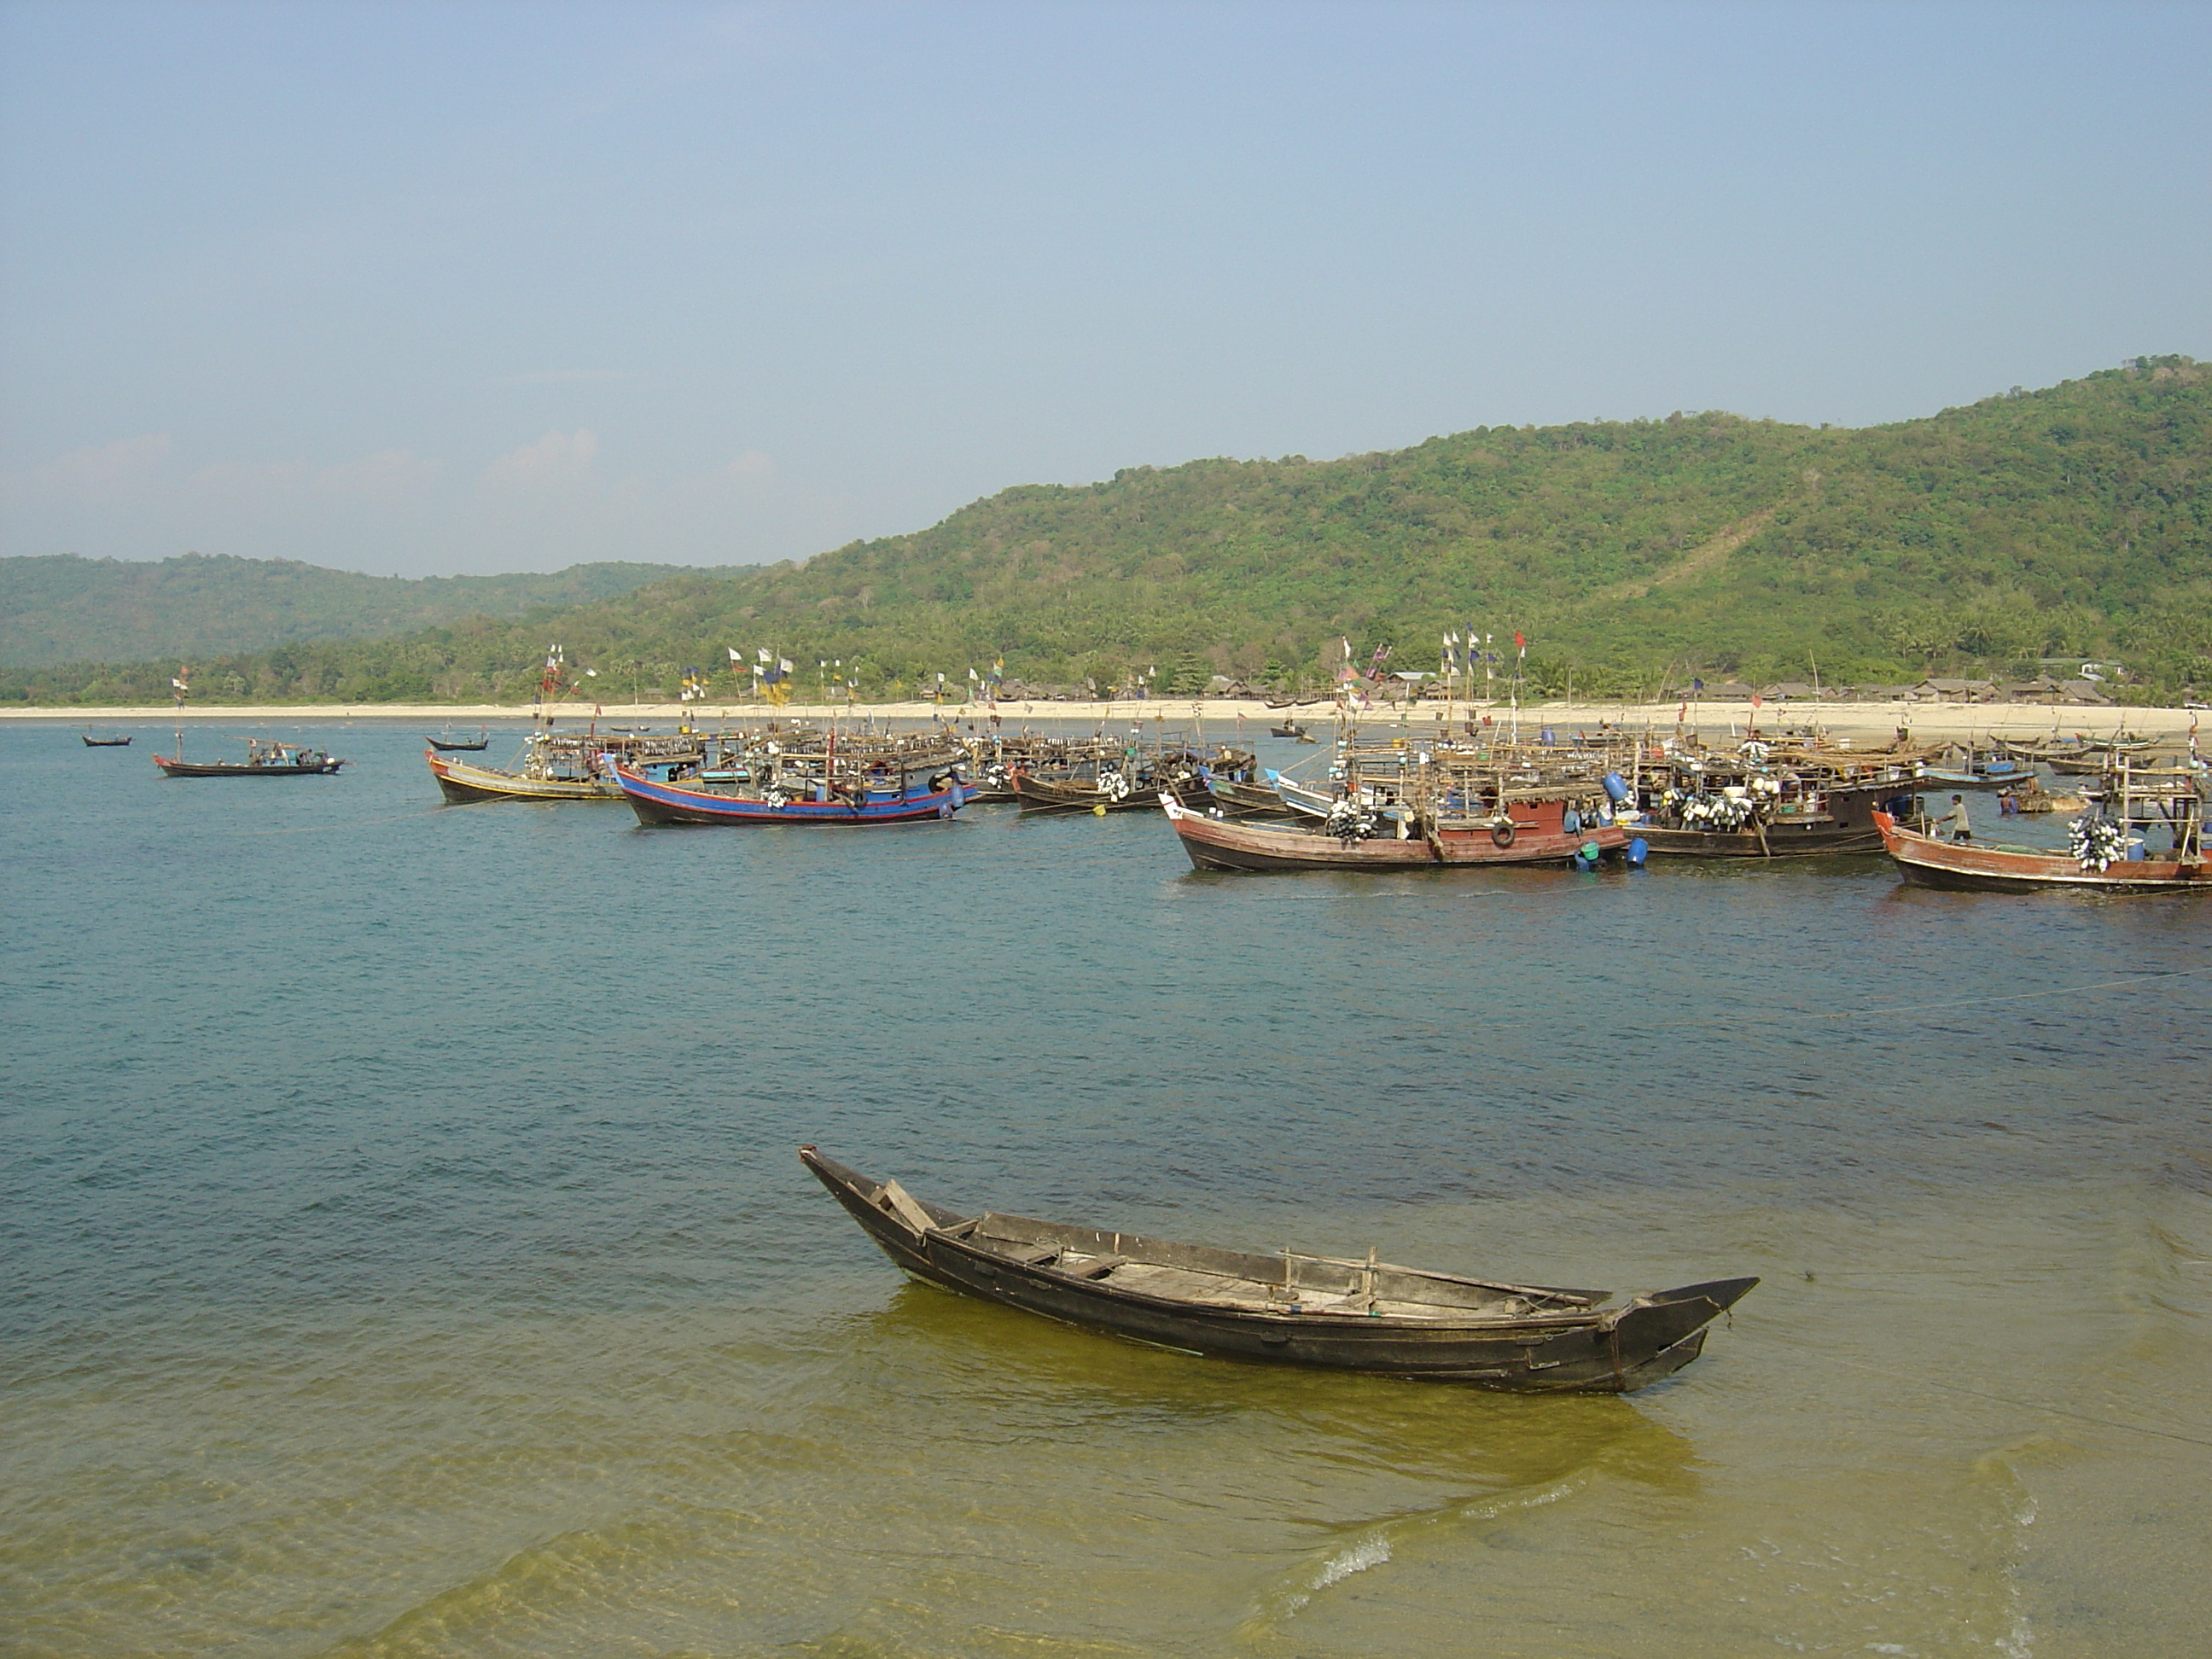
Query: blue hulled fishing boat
{"points": [[862, 795]]}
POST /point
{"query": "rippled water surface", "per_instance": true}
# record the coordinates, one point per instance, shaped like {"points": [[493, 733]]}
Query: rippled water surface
{"points": [[406, 1254]]}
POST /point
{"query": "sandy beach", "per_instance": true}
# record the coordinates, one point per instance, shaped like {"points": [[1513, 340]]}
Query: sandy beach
{"points": [[1854, 721]]}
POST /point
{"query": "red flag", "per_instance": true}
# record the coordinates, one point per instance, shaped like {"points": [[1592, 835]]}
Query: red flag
{"points": [[1518, 640], [1758, 701]]}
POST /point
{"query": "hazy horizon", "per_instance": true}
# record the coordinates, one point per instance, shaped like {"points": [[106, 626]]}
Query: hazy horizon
{"points": [[464, 289]]}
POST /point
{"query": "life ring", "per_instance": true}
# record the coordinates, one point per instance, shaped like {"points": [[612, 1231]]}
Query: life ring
{"points": [[1502, 833]]}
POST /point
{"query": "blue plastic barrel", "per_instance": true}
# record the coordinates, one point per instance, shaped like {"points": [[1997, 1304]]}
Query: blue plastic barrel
{"points": [[1636, 853], [1616, 787]]}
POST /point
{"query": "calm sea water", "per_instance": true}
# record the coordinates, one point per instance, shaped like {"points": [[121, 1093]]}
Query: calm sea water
{"points": [[405, 1252]]}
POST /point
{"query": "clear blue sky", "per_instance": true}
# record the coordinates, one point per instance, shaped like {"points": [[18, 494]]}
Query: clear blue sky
{"points": [[470, 287]]}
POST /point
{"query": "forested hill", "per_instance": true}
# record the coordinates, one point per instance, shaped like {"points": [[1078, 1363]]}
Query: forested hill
{"points": [[2071, 521], [66, 608]]}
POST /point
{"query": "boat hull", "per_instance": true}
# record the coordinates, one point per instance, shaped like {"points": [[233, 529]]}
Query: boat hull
{"points": [[1964, 867], [658, 804], [1218, 844], [1781, 842], [1578, 1349]]}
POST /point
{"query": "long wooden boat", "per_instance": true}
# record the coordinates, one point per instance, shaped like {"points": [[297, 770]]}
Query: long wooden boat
{"points": [[107, 740], [1284, 1308], [1973, 866], [448, 745], [1077, 794], [900, 800], [1112, 782], [263, 760], [463, 781], [1842, 826], [565, 766], [1528, 832]]}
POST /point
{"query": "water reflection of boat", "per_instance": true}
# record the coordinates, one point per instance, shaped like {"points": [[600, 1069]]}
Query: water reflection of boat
{"points": [[1287, 1308]]}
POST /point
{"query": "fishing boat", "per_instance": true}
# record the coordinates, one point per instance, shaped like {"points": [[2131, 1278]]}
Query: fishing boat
{"points": [[1357, 838], [264, 758], [851, 798], [562, 766], [1291, 728], [1979, 769], [449, 745], [110, 738], [1289, 1308], [2100, 860], [1834, 821], [1111, 776], [1245, 800], [2033, 798]]}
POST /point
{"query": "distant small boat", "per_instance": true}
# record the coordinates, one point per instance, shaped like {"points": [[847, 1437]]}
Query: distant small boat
{"points": [[108, 740], [1291, 729], [1288, 1308], [451, 746]]}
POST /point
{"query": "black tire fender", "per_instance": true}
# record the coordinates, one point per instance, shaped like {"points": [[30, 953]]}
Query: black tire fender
{"points": [[1502, 833]]}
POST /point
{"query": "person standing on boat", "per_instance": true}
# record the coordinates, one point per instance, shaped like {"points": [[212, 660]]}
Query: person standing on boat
{"points": [[1961, 829]]}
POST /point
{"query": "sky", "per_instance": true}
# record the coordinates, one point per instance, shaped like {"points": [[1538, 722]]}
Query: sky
{"points": [[418, 289]]}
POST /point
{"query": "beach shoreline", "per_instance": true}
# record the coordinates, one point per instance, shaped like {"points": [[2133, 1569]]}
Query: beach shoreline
{"points": [[1842, 720]]}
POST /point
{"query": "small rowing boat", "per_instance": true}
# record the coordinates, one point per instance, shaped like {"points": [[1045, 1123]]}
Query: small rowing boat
{"points": [[1287, 1308]]}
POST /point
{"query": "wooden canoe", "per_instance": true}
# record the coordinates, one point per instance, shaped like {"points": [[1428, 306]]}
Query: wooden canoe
{"points": [[1288, 1309]]}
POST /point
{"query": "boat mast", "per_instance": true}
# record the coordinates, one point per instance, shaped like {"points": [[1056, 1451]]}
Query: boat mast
{"points": [[183, 673]]}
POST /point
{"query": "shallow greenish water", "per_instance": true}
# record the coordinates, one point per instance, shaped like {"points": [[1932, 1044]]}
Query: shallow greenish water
{"points": [[406, 1252]]}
